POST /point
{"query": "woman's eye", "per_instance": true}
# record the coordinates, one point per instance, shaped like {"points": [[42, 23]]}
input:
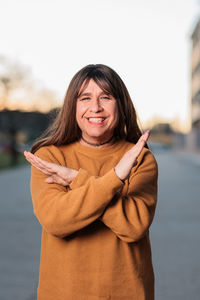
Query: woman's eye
{"points": [[105, 97], [85, 98]]}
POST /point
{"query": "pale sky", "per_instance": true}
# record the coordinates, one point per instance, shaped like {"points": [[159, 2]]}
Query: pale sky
{"points": [[146, 41]]}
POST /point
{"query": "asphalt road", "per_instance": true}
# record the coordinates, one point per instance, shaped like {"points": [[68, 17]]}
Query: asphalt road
{"points": [[174, 233], [20, 237]]}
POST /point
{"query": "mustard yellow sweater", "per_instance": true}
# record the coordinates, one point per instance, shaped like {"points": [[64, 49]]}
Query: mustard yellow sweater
{"points": [[95, 239]]}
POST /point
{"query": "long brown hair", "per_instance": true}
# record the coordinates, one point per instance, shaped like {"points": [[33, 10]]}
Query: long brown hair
{"points": [[64, 130]]}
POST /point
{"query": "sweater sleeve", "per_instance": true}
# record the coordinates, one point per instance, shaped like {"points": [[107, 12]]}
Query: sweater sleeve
{"points": [[129, 216], [61, 211]]}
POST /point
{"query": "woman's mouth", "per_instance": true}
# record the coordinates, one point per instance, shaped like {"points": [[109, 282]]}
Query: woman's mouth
{"points": [[97, 121]]}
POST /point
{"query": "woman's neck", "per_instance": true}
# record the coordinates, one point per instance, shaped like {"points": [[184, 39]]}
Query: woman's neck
{"points": [[98, 145]]}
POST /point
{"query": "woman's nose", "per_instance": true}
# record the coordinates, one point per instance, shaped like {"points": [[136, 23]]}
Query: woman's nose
{"points": [[95, 105]]}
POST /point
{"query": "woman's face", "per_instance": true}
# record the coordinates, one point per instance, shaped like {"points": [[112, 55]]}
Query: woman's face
{"points": [[96, 113]]}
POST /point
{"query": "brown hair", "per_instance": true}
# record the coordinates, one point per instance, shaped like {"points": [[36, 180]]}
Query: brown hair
{"points": [[64, 130]]}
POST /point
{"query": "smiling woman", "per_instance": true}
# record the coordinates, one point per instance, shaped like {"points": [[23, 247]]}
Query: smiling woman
{"points": [[94, 191], [96, 115]]}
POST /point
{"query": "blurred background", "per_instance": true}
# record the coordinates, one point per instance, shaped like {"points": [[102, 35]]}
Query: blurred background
{"points": [[155, 47]]}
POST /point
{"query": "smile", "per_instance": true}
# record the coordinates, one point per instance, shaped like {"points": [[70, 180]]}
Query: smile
{"points": [[96, 120]]}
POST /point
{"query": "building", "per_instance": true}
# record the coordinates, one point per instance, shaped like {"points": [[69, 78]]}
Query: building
{"points": [[193, 140]]}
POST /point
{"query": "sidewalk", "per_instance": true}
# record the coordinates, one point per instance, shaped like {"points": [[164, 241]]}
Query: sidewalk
{"points": [[20, 237]]}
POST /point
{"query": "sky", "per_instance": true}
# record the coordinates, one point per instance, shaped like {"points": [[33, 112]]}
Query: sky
{"points": [[146, 42]]}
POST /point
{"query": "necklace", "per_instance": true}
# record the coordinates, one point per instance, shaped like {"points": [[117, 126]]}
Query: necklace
{"points": [[100, 144]]}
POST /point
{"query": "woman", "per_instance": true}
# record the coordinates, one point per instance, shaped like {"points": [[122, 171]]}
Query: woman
{"points": [[94, 191]]}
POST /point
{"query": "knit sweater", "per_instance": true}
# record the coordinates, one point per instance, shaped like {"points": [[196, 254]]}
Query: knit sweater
{"points": [[95, 232]]}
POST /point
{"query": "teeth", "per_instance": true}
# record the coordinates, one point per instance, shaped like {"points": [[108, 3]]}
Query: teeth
{"points": [[96, 120]]}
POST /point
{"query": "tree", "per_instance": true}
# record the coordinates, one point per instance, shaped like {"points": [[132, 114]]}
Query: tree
{"points": [[13, 76], [19, 90]]}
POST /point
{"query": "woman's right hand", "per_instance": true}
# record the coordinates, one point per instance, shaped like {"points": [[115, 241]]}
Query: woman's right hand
{"points": [[56, 173], [129, 160]]}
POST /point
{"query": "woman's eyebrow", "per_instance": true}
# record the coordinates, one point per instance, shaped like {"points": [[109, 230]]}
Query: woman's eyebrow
{"points": [[89, 94], [85, 94]]}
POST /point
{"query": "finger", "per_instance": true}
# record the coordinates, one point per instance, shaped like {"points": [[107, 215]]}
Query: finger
{"points": [[39, 163], [31, 161], [49, 180], [138, 148], [51, 167], [43, 171], [141, 143], [55, 179], [35, 164], [40, 169], [144, 137], [35, 158]]}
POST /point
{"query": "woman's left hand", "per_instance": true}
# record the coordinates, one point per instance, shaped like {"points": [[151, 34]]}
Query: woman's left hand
{"points": [[56, 173], [129, 160]]}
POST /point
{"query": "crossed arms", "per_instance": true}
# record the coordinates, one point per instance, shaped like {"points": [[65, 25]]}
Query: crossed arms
{"points": [[63, 210]]}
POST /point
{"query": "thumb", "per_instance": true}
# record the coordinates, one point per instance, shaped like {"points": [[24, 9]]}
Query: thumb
{"points": [[49, 180]]}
